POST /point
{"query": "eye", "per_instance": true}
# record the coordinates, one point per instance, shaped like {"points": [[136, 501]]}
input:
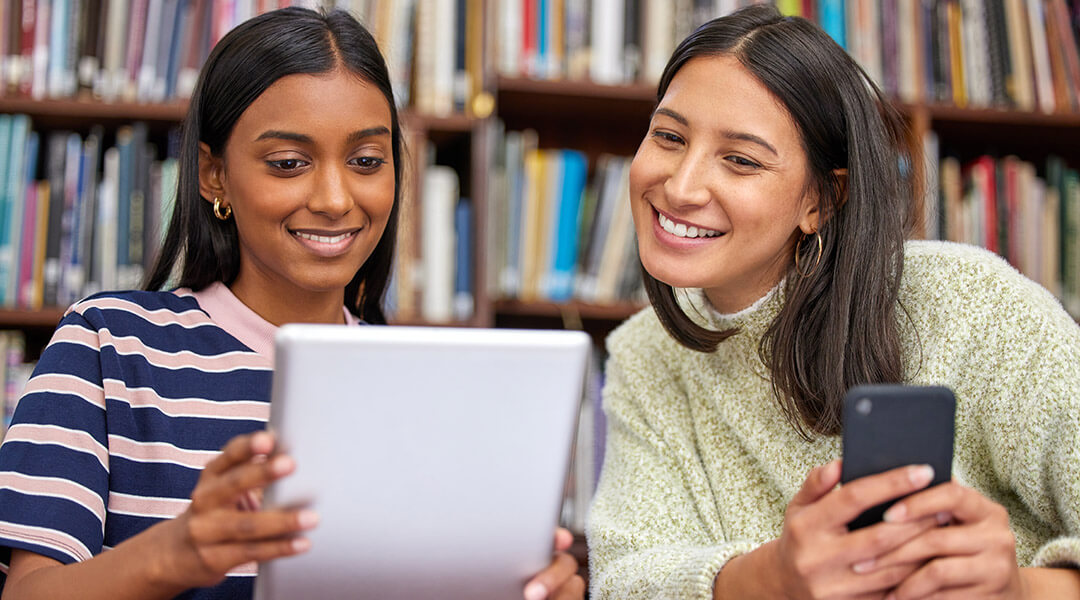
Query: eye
{"points": [[286, 165], [742, 161], [368, 163], [667, 137]]}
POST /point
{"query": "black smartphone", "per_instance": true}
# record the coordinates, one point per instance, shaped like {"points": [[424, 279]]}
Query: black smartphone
{"points": [[890, 426]]}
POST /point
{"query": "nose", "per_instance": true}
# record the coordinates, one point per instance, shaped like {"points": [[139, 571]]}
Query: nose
{"points": [[331, 196], [686, 186]]}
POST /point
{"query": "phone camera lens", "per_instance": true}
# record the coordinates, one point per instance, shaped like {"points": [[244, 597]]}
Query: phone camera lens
{"points": [[863, 406]]}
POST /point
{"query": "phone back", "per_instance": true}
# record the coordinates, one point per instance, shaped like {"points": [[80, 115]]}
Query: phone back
{"points": [[890, 426]]}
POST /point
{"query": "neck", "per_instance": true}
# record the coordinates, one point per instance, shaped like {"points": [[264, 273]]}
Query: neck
{"points": [[292, 306]]}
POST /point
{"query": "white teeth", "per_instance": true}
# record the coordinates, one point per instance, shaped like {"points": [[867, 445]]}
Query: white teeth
{"points": [[685, 231], [322, 239]]}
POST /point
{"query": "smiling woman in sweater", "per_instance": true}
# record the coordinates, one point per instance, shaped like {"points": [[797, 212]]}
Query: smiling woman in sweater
{"points": [[770, 210]]}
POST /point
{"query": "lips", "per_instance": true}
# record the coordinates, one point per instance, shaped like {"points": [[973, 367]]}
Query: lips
{"points": [[327, 244]]}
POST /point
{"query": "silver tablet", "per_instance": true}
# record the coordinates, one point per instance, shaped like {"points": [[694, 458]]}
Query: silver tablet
{"points": [[435, 457]]}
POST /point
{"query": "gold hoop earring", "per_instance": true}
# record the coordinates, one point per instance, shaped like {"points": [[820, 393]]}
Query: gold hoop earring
{"points": [[222, 215], [817, 261]]}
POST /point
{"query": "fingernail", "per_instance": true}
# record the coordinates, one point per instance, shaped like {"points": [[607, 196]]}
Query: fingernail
{"points": [[921, 475], [301, 544], [281, 464], [864, 566], [535, 591], [307, 519], [262, 440], [895, 514], [943, 517]]}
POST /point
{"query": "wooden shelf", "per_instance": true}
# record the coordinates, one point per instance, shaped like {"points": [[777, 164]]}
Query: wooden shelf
{"points": [[456, 123], [45, 318], [81, 111], [583, 310]]}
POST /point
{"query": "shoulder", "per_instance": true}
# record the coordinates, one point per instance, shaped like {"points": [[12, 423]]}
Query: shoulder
{"points": [[971, 281], [641, 333], [135, 302]]}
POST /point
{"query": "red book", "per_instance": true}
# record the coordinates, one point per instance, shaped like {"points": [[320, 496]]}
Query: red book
{"points": [[528, 37], [26, 45]]}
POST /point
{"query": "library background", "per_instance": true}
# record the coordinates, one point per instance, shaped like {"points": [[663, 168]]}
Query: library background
{"points": [[520, 120]]}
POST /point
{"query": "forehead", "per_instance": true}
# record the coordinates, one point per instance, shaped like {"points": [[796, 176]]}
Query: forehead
{"points": [[720, 93], [334, 103]]}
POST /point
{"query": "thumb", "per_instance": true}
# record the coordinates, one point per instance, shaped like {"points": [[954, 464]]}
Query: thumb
{"points": [[818, 482]]}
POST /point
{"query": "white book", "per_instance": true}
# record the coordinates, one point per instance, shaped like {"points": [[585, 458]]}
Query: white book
{"points": [[1044, 79], [112, 79], [40, 57], [976, 53], [508, 42], [658, 37], [399, 47], [437, 237], [907, 44], [105, 238], [147, 76], [445, 48], [607, 41]]}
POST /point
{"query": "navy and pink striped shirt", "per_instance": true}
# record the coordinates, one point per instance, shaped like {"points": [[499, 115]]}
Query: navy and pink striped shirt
{"points": [[135, 393]]}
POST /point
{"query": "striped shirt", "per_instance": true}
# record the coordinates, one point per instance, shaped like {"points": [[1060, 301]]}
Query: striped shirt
{"points": [[133, 395]]}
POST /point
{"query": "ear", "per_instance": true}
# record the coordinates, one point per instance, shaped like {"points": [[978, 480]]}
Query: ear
{"points": [[813, 217], [211, 174]]}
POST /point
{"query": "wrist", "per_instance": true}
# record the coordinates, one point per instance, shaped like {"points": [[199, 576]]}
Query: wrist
{"points": [[159, 569], [750, 575]]}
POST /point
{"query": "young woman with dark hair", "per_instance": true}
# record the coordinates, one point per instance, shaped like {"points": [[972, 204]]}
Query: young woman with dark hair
{"points": [[771, 209], [136, 459]]}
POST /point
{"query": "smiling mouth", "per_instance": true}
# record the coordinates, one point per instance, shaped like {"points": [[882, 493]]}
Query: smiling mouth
{"points": [[683, 230], [326, 239]]}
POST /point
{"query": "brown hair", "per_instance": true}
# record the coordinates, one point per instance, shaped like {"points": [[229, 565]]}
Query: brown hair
{"points": [[838, 325]]}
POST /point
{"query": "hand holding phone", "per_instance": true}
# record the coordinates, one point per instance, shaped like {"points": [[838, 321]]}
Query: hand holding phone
{"points": [[890, 426]]}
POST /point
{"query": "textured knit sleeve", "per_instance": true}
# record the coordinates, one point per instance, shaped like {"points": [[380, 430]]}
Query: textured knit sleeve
{"points": [[1038, 451], [54, 466], [650, 533]]}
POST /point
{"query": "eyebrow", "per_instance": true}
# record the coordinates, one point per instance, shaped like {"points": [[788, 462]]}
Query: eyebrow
{"points": [[306, 139], [733, 135]]}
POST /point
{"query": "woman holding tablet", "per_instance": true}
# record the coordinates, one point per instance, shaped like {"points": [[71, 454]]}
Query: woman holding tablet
{"points": [[136, 460], [770, 205]]}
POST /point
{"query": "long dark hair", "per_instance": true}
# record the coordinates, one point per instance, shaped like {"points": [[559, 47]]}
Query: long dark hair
{"points": [[838, 325], [241, 66]]}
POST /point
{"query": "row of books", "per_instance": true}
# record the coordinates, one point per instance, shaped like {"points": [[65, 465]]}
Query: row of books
{"points": [[14, 373], [1008, 53], [606, 41], [78, 216], [1006, 206], [433, 272], [554, 234], [150, 50]]}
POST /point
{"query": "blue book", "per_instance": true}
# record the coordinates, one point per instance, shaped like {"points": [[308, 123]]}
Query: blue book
{"points": [[6, 205], [463, 273], [831, 14], [12, 195], [542, 35], [574, 168]]}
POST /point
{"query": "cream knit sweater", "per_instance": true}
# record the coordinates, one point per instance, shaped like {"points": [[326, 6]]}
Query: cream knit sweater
{"points": [[700, 463]]}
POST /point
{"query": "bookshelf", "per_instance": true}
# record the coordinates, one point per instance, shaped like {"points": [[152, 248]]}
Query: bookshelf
{"points": [[567, 109]]}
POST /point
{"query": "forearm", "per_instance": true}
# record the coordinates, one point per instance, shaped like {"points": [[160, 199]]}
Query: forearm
{"points": [[1051, 583], [749, 576], [135, 569]]}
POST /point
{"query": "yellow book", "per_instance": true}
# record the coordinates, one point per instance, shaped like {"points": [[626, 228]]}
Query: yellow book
{"points": [[956, 54]]}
